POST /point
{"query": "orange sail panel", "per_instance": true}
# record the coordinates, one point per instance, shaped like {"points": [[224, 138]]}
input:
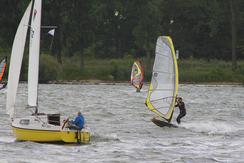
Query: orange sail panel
{"points": [[137, 75], [3, 66]]}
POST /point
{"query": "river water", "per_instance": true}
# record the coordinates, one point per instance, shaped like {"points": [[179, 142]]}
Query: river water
{"points": [[212, 131]]}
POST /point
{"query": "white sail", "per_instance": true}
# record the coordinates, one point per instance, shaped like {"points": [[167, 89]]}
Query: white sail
{"points": [[16, 60], [164, 83], [34, 52]]}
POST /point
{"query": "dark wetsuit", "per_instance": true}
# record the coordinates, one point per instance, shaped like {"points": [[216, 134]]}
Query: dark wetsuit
{"points": [[182, 108]]}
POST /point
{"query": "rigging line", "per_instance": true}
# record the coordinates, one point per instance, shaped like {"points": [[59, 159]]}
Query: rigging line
{"points": [[161, 108], [154, 109], [40, 119], [45, 26], [36, 115], [153, 101], [168, 97], [157, 108], [159, 45], [163, 72], [163, 55]]}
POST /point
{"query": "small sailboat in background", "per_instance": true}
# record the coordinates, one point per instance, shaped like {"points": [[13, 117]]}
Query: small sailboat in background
{"points": [[3, 66], [137, 75], [39, 127], [163, 89]]}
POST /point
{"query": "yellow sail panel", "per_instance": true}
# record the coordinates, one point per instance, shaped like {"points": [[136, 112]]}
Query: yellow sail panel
{"points": [[149, 104], [164, 83]]}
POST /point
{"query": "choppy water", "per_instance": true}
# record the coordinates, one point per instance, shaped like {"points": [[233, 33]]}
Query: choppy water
{"points": [[212, 131]]}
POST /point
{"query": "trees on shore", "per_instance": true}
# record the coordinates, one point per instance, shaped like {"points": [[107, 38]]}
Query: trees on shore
{"points": [[114, 29]]}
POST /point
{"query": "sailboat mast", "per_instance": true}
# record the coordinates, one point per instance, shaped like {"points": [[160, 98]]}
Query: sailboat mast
{"points": [[34, 52]]}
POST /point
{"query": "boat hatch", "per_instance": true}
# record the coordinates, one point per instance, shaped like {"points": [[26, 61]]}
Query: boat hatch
{"points": [[54, 119]]}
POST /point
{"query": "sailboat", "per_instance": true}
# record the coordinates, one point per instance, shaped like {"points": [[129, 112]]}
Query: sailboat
{"points": [[137, 75], [163, 88], [38, 127], [3, 66]]}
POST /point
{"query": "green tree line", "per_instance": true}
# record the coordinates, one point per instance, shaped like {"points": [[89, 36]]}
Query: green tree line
{"points": [[208, 29]]}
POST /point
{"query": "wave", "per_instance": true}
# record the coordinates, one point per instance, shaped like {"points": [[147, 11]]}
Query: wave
{"points": [[105, 138], [4, 139], [211, 127]]}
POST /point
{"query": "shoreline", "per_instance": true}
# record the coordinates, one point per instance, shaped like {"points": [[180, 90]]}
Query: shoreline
{"points": [[107, 82]]}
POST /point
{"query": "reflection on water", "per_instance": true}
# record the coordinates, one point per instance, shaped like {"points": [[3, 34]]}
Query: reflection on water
{"points": [[212, 131]]}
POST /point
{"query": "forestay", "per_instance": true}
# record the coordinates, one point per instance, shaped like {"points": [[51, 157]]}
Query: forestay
{"points": [[164, 83]]}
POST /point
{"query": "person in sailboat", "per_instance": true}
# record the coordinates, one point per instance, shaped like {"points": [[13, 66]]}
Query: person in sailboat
{"points": [[181, 105], [78, 123]]}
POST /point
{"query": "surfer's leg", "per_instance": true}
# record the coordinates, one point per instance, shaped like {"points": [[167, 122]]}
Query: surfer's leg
{"points": [[181, 115], [178, 119]]}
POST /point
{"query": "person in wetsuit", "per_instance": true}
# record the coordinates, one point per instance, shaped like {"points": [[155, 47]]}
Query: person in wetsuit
{"points": [[181, 105]]}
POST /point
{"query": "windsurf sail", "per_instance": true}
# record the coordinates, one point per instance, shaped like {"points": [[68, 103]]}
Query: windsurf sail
{"points": [[16, 60], [164, 83], [137, 75], [3, 66]]}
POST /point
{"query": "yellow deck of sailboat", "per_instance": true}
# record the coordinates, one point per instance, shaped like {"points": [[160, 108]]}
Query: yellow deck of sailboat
{"points": [[32, 128]]}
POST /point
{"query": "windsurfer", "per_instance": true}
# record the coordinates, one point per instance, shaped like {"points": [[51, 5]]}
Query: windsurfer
{"points": [[181, 105], [137, 75], [78, 123], [142, 71]]}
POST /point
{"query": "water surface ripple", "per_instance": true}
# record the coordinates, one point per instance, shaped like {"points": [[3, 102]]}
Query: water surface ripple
{"points": [[212, 131]]}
